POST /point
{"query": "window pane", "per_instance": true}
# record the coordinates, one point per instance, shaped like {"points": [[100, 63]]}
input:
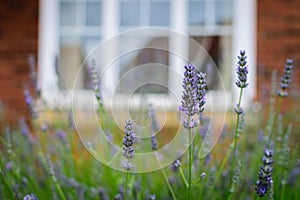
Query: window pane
{"points": [[67, 14], [89, 43], [129, 15], [93, 13], [144, 70], [217, 47], [196, 13], [160, 13], [223, 12]]}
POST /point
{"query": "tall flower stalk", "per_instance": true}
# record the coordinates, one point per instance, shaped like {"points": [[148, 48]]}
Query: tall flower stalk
{"points": [[265, 177], [285, 81], [242, 72], [128, 150], [192, 101]]}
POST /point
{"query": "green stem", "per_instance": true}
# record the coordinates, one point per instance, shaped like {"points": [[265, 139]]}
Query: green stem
{"points": [[125, 186], [9, 189], [58, 188], [283, 186], [183, 177], [166, 178], [221, 169], [190, 162], [235, 138], [274, 122], [169, 185]]}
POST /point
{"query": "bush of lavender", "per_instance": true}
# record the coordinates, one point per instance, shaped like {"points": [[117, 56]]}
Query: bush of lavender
{"points": [[254, 159]]}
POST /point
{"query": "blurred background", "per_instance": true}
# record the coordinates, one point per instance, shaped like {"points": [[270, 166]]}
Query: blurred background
{"points": [[58, 34]]}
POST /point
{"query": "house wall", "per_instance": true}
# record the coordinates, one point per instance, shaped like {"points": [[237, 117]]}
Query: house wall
{"points": [[18, 38], [278, 38]]}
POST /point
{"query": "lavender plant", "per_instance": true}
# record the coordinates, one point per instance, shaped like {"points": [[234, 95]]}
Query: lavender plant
{"points": [[128, 150], [193, 100], [265, 174], [71, 173], [286, 79], [30, 103]]}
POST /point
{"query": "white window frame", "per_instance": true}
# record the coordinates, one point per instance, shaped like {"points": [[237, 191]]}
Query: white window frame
{"points": [[243, 26]]}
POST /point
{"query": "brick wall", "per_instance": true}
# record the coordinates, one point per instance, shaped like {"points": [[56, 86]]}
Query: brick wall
{"points": [[278, 38], [18, 38]]}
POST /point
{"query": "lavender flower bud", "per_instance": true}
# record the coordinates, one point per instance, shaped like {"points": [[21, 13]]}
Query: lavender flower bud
{"points": [[23, 127], [238, 109], [201, 90], [286, 78], [154, 143], [242, 70], [176, 165], [102, 194], [154, 129], [30, 197], [118, 197], [128, 141], [151, 197], [189, 101], [265, 174], [202, 175], [29, 102]]}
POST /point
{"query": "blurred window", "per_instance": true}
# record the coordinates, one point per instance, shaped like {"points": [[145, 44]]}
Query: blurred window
{"points": [[79, 32], [137, 13], [210, 24], [144, 70]]}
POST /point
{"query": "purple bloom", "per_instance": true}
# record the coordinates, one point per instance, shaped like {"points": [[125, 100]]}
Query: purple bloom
{"points": [[242, 70], [30, 197], [189, 101], [23, 127], [61, 135], [151, 197], [176, 165], [201, 90], [95, 83], [189, 104], [286, 78], [154, 143], [128, 141], [29, 102], [9, 165], [265, 174], [154, 129]]}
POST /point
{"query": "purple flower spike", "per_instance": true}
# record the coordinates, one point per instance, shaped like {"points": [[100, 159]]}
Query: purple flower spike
{"points": [[242, 70], [189, 105], [265, 174], [201, 90], [128, 141], [286, 78], [29, 102], [189, 101]]}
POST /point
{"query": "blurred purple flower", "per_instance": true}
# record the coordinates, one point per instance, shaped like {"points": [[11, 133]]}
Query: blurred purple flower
{"points": [[30, 104], [23, 127], [9, 165], [286, 78]]}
